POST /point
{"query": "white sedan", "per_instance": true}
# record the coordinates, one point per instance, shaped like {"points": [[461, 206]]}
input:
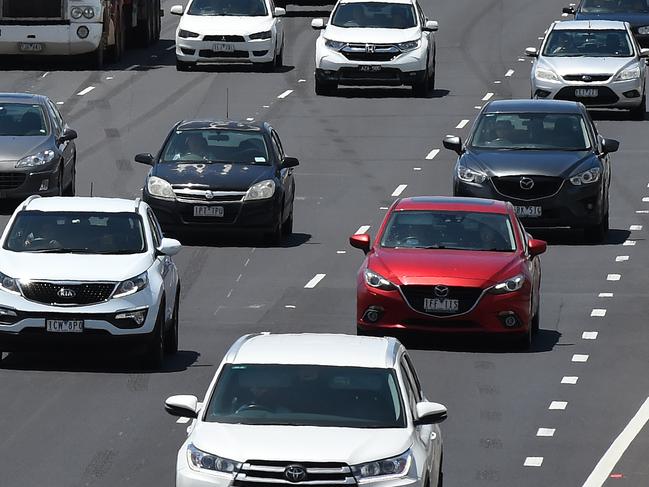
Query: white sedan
{"points": [[225, 31]]}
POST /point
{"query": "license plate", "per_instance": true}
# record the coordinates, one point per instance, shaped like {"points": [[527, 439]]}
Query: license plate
{"points": [[31, 46], [441, 305], [587, 92], [528, 211], [216, 211], [369, 69], [218, 47], [64, 326]]}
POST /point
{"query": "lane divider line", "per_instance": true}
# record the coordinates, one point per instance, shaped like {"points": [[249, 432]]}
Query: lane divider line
{"points": [[314, 281], [183, 420], [558, 405], [462, 124], [614, 277], [545, 432], [635, 228], [487, 97], [432, 154], [569, 379], [621, 258], [285, 94], [399, 189], [85, 91], [642, 212], [598, 312], [605, 295], [362, 229], [582, 358], [629, 243], [533, 462], [341, 251], [589, 335], [509, 73]]}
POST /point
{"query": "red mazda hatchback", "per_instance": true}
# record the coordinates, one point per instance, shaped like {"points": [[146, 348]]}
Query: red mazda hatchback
{"points": [[444, 264]]}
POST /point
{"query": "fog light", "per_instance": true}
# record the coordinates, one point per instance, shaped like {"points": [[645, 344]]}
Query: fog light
{"points": [[131, 319], [631, 94], [541, 94], [259, 53], [7, 316], [373, 314], [45, 184], [509, 319], [187, 51], [83, 32]]}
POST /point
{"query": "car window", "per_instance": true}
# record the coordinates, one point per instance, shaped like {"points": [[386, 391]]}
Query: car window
{"points": [[588, 43], [422, 15], [155, 228], [523, 234], [22, 120], [408, 387], [377, 15], [413, 374], [55, 117], [412, 382], [614, 6], [240, 8], [278, 145]]}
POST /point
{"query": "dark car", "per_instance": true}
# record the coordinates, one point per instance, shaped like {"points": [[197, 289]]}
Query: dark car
{"points": [[545, 157], [37, 152], [222, 175], [635, 12]]}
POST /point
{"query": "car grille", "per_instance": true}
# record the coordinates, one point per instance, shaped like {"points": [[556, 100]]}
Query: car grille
{"points": [[385, 74], [12, 180], [544, 187], [208, 195], [221, 38], [67, 294], [260, 473], [208, 53], [378, 52], [450, 324], [466, 296], [605, 96], [590, 78]]}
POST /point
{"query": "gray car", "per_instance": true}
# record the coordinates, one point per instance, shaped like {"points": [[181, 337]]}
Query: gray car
{"points": [[595, 62], [37, 152]]}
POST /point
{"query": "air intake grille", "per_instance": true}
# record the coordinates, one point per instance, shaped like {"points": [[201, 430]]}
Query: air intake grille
{"points": [[67, 294], [260, 473]]}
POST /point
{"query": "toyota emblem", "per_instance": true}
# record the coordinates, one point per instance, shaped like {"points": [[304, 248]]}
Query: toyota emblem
{"points": [[441, 291], [295, 473], [65, 292], [209, 195], [526, 183]]}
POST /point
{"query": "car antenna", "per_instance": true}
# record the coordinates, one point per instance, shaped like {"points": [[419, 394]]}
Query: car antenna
{"points": [[91, 183]]}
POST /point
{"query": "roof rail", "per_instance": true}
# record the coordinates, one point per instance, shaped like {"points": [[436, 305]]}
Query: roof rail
{"points": [[137, 203], [29, 200]]}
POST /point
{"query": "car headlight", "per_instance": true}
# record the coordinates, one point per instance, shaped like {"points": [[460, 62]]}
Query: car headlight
{"points": [[199, 460], [335, 45], [261, 35], [546, 74], [260, 191], [160, 188], [408, 46], [76, 12], [40, 159], [373, 279], [628, 73], [509, 286], [88, 12], [586, 177], [131, 286], [185, 34], [390, 466], [469, 175], [644, 30], [9, 284]]}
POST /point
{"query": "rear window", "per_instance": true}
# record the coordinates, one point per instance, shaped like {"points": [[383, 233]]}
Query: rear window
{"points": [[22, 120]]}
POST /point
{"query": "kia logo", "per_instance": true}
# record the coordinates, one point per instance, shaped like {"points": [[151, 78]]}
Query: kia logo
{"points": [[65, 292], [295, 473], [586, 78], [209, 195], [441, 291], [526, 183]]}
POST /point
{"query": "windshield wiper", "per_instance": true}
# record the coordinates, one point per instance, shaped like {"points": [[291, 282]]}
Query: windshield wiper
{"points": [[63, 251]]}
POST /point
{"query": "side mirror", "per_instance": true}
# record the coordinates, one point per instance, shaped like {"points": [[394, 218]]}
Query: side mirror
{"points": [[69, 134], [182, 406], [279, 12], [430, 413], [169, 246], [531, 52], [177, 10], [290, 162], [568, 10], [145, 158], [644, 52], [454, 143], [610, 145], [318, 24], [537, 247], [360, 241], [431, 26]]}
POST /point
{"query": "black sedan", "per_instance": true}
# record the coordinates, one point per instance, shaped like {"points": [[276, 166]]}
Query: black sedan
{"points": [[37, 152], [222, 175], [545, 157]]}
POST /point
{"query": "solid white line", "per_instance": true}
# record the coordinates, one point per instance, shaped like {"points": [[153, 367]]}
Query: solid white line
{"points": [[131, 68], [634, 228], [579, 358], [628, 243], [285, 94], [399, 189], [431, 155], [598, 312], [605, 295], [621, 258], [533, 462], [509, 73], [487, 97], [614, 277], [462, 124], [643, 212], [183, 420], [645, 199], [569, 379], [289, 306], [362, 229], [171, 48], [558, 405], [606, 464], [85, 91], [545, 432], [497, 82], [341, 251], [589, 335], [416, 169], [60, 102], [314, 281]]}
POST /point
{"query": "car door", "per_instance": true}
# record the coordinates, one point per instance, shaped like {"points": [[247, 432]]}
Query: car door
{"points": [[67, 148], [164, 266], [285, 174], [429, 36]]}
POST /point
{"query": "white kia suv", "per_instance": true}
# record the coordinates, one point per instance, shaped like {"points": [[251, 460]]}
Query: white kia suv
{"points": [[299, 410], [375, 42], [88, 272], [222, 31]]}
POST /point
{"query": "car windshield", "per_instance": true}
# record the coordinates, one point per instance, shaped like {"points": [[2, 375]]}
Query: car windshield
{"points": [[530, 131], [76, 232], [455, 230], [307, 395], [216, 145], [22, 120], [614, 6], [588, 43], [240, 8], [374, 15]]}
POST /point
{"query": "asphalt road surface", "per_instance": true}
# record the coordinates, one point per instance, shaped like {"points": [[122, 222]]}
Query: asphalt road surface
{"points": [[78, 420]]}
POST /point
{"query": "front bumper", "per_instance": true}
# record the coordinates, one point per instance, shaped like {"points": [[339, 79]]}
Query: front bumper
{"points": [[610, 94], [198, 51], [54, 40], [19, 184]]}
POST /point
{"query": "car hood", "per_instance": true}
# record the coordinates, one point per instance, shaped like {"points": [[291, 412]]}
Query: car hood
{"points": [[72, 267], [586, 65], [439, 266], [216, 175], [241, 442], [371, 36], [518, 163], [15, 148], [214, 25], [636, 20]]}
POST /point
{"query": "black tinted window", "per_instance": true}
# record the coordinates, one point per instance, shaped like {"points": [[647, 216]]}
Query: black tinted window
{"points": [[209, 145], [614, 6], [22, 120]]}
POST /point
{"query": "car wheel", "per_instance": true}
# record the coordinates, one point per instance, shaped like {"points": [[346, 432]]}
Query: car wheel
{"points": [[440, 477], [420, 88], [597, 233], [287, 228], [279, 61], [275, 236], [323, 88], [536, 319], [171, 340], [638, 112], [361, 332], [70, 190], [154, 355], [60, 190], [183, 65]]}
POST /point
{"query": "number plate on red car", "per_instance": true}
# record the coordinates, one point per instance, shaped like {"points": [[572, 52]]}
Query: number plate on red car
{"points": [[441, 305]]}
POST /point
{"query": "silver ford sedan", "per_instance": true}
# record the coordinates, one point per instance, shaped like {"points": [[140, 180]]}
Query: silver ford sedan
{"points": [[597, 63]]}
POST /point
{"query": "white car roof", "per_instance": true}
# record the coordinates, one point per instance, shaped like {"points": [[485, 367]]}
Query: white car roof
{"points": [[315, 349], [408, 2], [81, 203], [590, 25]]}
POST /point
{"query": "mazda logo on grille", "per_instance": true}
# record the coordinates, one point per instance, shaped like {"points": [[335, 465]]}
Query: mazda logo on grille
{"points": [[586, 78], [295, 473], [441, 291], [209, 195], [370, 48], [526, 183], [65, 292]]}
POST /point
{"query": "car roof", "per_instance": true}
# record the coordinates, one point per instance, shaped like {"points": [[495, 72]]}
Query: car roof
{"points": [[451, 203], [79, 204], [206, 124], [22, 98], [590, 25], [408, 2], [315, 349], [532, 106]]}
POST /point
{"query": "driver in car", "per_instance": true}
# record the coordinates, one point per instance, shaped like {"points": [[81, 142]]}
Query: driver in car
{"points": [[195, 148]]}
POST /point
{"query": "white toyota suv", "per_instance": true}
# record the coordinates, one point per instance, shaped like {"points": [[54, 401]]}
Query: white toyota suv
{"points": [[375, 42], [298, 410], [88, 272]]}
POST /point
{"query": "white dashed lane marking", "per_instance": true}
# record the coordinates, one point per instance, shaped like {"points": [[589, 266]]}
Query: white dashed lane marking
{"points": [[85, 91], [558, 405], [314, 281], [545, 432], [285, 94], [533, 462], [621, 258], [509, 73], [399, 189], [629, 243], [635, 228], [183, 420], [432, 154], [462, 124], [580, 358], [362, 229], [605, 295], [589, 335], [569, 379], [487, 97], [598, 312], [613, 277]]}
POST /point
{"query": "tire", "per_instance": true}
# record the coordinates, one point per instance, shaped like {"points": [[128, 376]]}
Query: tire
{"points": [[420, 88], [597, 233], [171, 338], [638, 112], [184, 66], [275, 236], [440, 478], [70, 190], [323, 88], [287, 228], [361, 332], [154, 355], [279, 61], [60, 183]]}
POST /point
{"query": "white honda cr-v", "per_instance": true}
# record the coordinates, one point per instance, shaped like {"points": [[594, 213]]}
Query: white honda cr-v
{"points": [[300, 410], [88, 272], [375, 42]]}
